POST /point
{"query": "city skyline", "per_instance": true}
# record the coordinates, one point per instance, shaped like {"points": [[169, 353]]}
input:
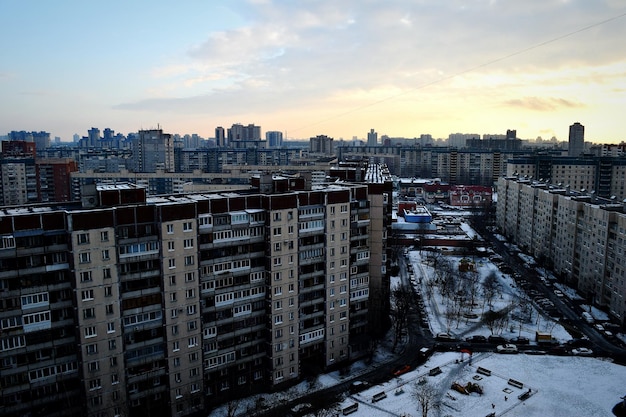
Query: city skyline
{"points": [[307, 69]]}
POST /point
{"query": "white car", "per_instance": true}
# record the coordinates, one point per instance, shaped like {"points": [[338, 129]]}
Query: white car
{"points": [[508, 348], [582, 351]]}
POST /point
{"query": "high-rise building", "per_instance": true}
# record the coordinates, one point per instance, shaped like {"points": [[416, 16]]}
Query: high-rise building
{"points": [[162, 306], [372, 138], [580, 236], [93, 137], [322, 144], [153, 150], [274, 139], [53, 177], [220, 137], [576, 144]]}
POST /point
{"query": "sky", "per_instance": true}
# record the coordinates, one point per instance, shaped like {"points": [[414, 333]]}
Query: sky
{"points": [[306, 68]]}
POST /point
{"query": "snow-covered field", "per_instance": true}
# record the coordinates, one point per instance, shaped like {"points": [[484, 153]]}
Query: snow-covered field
{"points": [[560, 387]]}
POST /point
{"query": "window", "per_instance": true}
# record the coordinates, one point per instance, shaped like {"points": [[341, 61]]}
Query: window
{"points": [[85, 276], [89, 313], [104, 236], [177, 377], [176, 361], [113, 361], [90, 331], [112, 344], [84, 257], [278, 319], [105, 255], [175, 329], [192, 325], [82, 238], [190, 293], [86, 295], [187, 227], [95, 384], [193, 372], [173, 297], [106, 273], [189, 260], [193, 356], [171, 263], [175, 346], [108, 291], [277, 246], [192, 341], [170, 245], [115, 379], [174, 313], [170, 228], [111, 327], [278, 290], [188, 243], [190, 276], [278, 261], [109, 308], [277, 231], [173, 280]]}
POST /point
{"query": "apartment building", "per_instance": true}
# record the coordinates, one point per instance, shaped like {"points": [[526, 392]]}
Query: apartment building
{"points": [[581, 237], [606, 175], [451, 165], [166, 306]]}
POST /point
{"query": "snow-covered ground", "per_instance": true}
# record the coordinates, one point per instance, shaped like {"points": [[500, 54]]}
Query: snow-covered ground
{"points": [[560, 387]]}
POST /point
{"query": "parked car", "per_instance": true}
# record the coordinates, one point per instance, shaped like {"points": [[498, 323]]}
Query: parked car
{"points": [[582, 351], [497, 339], [559, 293], [508, 348], [401, 370], [445, 337], [520, 340], [477, 338], [558, 350]]}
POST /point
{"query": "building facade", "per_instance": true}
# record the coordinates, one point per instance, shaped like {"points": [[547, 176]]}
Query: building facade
{"points": [[169, 305], [579, 236]]}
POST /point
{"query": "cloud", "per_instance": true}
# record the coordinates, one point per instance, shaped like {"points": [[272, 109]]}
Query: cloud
{"points": [[543, 103]]}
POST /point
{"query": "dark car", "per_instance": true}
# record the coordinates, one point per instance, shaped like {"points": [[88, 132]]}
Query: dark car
{"points": [[477, 338], [558, 350], [520, 340], [578, 343], [497, 339]]}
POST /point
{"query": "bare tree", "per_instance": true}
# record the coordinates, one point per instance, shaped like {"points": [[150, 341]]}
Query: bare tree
{"points": [[496, 320], [491, 288], [426, 397], [402, 299], [232, 407]]}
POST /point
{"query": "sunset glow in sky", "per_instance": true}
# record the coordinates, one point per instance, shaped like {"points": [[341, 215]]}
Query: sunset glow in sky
{"points": [[306, 68]]}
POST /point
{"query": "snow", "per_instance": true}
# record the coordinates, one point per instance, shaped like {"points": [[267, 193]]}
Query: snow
{"points": [[560, 387]]}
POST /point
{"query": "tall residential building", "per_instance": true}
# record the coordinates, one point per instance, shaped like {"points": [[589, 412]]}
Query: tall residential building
{"points": [[372, 138], [274, 139], [53, 177], [18, 176], [322, 144], [605, 176], [163, 306], [239, 132], [153, 150], [580, 236], [93, 137], [576, 144], [220, 137]]}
